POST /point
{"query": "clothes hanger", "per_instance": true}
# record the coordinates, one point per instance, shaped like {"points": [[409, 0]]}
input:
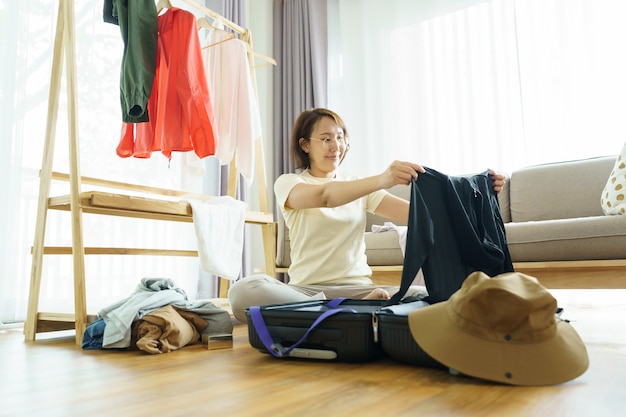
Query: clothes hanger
{"points": [[242, 31], [163, 4], [203, 22], [213, 15]]}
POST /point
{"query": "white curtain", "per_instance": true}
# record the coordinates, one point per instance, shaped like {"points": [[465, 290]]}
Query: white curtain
{"points": [[466, 85], [28, 29]]}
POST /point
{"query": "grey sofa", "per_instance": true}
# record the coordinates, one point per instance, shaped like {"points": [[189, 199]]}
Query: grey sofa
{"points": [[553, 222], [552, 212]]}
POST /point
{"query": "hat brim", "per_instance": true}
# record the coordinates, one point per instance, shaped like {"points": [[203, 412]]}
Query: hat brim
{"points": [[561, 358]]}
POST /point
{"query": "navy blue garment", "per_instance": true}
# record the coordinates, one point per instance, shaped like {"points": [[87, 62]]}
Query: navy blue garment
{"points": [[94, 333], [454, 229]]}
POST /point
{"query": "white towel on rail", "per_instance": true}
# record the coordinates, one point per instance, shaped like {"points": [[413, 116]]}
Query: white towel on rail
{"points": [[219, 224]]}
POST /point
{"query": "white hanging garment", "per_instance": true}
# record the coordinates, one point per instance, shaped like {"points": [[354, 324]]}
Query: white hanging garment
{"points": [[237, 115]]}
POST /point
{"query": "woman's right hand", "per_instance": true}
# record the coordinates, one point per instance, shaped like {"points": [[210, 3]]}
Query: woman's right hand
{"points": [[400, 172]]}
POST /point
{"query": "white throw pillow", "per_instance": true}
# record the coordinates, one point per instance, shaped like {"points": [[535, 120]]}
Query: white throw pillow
{"points": [[613, 196]]}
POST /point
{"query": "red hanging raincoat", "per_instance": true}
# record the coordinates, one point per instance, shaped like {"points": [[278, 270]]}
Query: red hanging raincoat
{"points": [[180, 108]]}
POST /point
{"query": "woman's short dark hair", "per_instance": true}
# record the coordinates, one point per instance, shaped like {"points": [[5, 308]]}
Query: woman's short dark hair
{"points": [[303, 128]]}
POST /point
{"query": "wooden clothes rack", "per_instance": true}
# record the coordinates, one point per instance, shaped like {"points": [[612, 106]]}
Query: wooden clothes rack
{"points": [[156, 206]]}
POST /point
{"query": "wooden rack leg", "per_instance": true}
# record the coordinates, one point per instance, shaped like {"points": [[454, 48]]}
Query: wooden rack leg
{"points": [[30, 327], [78, 249], [224, 285], [64, 40], [269, 245]]}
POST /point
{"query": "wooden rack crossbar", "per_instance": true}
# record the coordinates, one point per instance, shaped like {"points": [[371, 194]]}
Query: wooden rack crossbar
{"points": [[152, 203]]}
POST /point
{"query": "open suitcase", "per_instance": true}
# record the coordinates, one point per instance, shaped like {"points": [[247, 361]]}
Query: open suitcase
{"points": [[341, 329]]}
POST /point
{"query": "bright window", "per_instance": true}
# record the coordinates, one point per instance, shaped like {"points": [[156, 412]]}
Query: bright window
{"points": [[462, 86]]}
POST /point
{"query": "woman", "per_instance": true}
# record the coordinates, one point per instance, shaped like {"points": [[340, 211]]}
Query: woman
{"points": [[325, 212]]}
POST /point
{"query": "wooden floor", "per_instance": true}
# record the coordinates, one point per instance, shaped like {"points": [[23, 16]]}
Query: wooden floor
{"points": [[53, 377]]}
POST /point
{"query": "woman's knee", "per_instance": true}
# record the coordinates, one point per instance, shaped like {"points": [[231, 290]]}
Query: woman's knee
{"points": [[245, 292]]}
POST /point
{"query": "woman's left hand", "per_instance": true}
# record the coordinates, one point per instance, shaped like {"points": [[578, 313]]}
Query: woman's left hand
{"points": [[377, 294], [498, 180]]}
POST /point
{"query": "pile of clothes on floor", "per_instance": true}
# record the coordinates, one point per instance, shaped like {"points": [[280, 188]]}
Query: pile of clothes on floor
{"points": [[157, 318]]}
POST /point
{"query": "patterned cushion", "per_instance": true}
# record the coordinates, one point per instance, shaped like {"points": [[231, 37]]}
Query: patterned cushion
{"points": [[612, 199]]}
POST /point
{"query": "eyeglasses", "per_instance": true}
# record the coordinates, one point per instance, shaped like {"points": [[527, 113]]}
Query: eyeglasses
{"points": [[327, 142]]}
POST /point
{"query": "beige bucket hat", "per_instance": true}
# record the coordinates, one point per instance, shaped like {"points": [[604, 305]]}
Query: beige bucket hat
{"points": [[502, 329]]}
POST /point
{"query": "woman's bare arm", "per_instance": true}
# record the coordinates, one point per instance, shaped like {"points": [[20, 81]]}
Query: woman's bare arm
{"points": [[394, 208], [338, 193]]}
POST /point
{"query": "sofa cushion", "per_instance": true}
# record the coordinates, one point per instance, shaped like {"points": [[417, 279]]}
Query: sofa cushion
{"points": [[383, 248], [559, 190], [612, 199], [597, 237]]}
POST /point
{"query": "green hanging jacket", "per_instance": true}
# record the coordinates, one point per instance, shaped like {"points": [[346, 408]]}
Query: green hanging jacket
{"points": [[138, 24]]}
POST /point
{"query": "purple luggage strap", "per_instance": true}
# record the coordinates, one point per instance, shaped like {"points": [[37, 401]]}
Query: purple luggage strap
{"points": [[277, 349]]}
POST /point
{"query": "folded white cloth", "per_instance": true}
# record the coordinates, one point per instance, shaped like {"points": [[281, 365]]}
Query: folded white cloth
{"points": [[402, 232], [219, 224]]}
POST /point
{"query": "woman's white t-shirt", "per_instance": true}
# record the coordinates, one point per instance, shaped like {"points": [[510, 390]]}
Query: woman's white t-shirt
{"points": [[327, 244]]}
